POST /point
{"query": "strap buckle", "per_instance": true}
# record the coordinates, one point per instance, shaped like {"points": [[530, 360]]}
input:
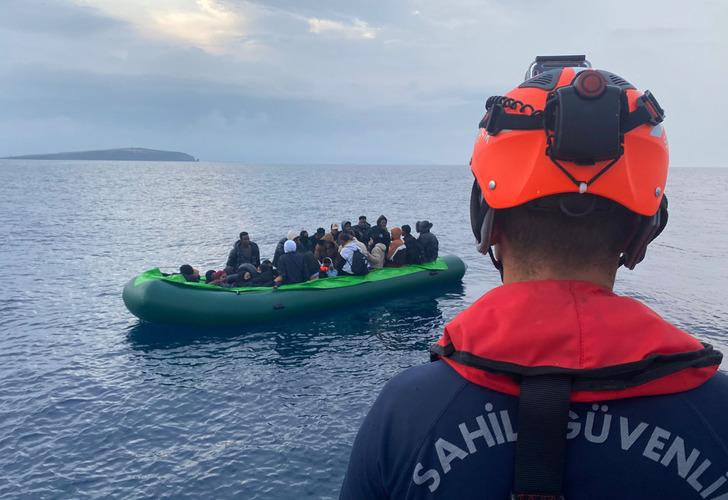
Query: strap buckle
{"points": [[653, 108]]}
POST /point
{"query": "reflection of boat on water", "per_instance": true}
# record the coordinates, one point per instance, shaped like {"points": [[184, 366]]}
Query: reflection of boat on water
{"points": [[160, 299]]}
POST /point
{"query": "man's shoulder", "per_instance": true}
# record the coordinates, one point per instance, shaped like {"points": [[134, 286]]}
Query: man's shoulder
{"points": [[710, 400], [426, 392]]}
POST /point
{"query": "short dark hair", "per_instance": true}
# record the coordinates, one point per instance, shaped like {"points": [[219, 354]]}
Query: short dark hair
{"points": [[406, 229], [346, 236], [321, 231], [553, 238], [209, 274], [243, 233], [186, 269], [362, 217]]}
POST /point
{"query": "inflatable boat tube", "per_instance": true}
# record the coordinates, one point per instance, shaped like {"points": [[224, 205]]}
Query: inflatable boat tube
{"points": [[168, 299]]}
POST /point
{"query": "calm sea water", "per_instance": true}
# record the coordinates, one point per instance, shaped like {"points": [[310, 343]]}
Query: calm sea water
{"points": [[95, 404]]}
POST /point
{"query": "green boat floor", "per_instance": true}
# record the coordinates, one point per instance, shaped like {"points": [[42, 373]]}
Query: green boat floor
{"points": [[319, 284]]}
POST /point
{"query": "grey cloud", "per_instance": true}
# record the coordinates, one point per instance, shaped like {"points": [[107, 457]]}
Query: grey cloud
{"points": [[53, 17]]}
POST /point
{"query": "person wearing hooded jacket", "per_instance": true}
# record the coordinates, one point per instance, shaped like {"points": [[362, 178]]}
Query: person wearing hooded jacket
{"points": [[397, 252], [380, 232], [427, 241], [551, 385]]}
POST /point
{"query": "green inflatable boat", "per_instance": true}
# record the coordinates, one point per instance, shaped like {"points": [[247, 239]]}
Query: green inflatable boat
{"points": [[159, 298]]}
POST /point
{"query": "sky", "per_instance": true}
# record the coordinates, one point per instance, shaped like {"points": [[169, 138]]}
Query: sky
{"points": [[334, 81]]}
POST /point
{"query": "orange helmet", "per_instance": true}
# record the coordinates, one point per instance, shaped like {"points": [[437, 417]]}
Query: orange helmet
{"points": [[572, 130]]}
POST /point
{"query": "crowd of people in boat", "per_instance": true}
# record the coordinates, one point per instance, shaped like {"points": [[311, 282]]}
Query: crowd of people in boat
{"points": [[347, 250]]}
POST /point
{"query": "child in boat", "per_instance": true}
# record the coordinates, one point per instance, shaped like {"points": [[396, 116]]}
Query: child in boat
{"points": [[189, 273]]}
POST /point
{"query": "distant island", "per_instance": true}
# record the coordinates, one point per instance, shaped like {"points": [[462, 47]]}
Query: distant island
{"points": [[123, 154]]}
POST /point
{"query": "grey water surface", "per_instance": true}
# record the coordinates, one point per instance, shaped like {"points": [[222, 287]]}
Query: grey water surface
{"points": [[94, 403]]}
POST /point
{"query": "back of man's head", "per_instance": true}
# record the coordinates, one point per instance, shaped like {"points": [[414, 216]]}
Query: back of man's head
{"points": [[551, 240]]}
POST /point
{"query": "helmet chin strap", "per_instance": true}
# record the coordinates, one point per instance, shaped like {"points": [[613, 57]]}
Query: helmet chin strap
{"points": [[486, 233], [496, 263]]}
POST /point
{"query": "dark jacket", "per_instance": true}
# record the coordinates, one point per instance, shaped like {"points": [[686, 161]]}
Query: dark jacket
{"points": [[279, 251], [415, 254], [399, 258], [448, 429], [312, 264], [297, 267], [264, 279], [237, 256], [237, 279], [362, 232], [430, 245], [306, 245], [380, 235]]}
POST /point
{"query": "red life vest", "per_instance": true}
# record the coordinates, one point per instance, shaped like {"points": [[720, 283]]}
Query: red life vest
{"points": [[617, 346]]}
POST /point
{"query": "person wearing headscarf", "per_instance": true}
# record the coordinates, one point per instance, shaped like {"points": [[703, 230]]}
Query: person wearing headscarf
{"points": [[396, 254], [293, 267]]}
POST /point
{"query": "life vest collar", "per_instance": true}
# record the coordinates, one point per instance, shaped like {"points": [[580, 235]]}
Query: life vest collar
{"points": [[614, 347]]}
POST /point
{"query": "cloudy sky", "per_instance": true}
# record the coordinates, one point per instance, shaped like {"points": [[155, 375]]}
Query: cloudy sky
{"points": [[334, 81]]}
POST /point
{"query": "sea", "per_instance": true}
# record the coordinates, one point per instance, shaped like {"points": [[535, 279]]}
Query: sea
{"points": [[96, 404]]}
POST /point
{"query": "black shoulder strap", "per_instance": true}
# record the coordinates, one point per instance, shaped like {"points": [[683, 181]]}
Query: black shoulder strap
{"points": [[543, 413]]}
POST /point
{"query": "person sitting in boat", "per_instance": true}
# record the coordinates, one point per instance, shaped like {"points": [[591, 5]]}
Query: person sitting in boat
{"points": [[317, 236], [415, 254], [381, 230], [362, 246], [377, 252], [352, 261], [293, 266], [334, 233], [243, 276], [218, 278], [305, 243], [428, 240], [209, 276], [189, 273], [327, 268], [326, 248], [266, 276], [310, 260], [397, 252], [279, 247], [362, 228], [243, 252]]}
